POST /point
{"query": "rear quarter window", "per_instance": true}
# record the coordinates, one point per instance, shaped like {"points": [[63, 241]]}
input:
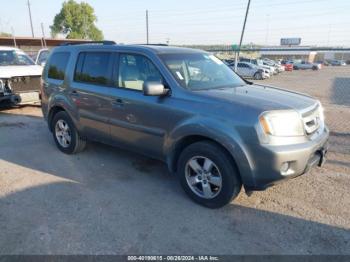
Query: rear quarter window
{"points": [[57, 65]]}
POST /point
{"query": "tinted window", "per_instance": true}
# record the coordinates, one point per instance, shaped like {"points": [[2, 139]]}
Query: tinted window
{"points": [[134, 70], [58, 65], [94, 68]]}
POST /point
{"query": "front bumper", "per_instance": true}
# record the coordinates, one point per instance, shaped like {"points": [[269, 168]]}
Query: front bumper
{"points": [[300, 158], [20, 98]]}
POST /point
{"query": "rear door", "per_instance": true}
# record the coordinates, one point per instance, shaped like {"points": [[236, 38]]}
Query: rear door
{"points": [[90, 92]]}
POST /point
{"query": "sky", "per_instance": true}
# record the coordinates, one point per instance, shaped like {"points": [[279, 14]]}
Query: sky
{"points": [[317, 22]]}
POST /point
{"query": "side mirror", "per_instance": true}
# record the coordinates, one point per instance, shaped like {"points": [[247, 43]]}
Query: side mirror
{"points": [[154, 89]]}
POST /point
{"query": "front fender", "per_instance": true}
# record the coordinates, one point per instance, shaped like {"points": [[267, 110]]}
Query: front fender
{"points": [[221, 132]]}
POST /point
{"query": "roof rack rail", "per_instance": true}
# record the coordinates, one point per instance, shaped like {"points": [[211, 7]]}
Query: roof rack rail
{"points": [[155, 44], [89, 42]]}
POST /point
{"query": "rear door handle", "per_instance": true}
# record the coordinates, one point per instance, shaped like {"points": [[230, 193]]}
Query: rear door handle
{"points": [[118, 102], [74, 93]]}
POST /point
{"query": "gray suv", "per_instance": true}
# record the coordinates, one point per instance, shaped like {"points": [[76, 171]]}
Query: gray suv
{"points": [[214, 130]]}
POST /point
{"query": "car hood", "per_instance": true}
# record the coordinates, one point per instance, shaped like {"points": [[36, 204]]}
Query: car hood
{"points": [[12, 71], [262, 98]]}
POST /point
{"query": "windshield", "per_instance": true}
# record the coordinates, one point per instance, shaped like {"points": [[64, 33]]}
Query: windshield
{"points": [[43, 57], [12, 57], [196, 71]]}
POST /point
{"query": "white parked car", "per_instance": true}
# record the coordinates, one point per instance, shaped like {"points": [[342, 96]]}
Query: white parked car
{"points": [[259, 63], [278, 67], [42, 56], [19, 77], [249, 70]]}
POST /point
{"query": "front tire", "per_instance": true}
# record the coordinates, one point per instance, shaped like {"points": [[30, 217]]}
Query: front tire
{"points": [[258, 76], [208, 175], [65, 134]]}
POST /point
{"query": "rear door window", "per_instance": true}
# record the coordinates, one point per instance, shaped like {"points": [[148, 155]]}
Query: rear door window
{"points": [[58, 65], [94, 68]]}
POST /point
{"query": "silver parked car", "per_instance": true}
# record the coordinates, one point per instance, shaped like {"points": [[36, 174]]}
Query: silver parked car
{"points": [[301, 64]]}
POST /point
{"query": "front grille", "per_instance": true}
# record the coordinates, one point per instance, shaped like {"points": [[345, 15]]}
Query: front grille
{"points": [[25, 83], [312, 120]]}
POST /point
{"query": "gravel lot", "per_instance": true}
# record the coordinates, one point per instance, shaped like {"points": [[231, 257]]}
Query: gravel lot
{"points": [[109, 201]]}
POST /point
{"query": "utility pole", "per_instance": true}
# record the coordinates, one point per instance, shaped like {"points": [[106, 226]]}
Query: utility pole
{"points": [[242, 34], [267, 29], [147, 28], [30, 17], [14, 37], [42, 30]]}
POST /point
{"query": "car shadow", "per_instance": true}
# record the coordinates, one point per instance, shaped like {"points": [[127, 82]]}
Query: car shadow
{"points": [[109, 201], [75, 218], [341, 91]]}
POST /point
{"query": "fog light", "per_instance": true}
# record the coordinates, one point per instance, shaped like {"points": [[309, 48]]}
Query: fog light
{"points": [[285, 167]]}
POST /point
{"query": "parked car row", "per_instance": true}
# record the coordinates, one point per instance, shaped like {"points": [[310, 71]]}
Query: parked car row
{"points": [[257, 69], [264, 68]]}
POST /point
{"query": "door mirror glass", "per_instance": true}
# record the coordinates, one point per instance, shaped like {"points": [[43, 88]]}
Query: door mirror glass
{"points": [[154, 89]]}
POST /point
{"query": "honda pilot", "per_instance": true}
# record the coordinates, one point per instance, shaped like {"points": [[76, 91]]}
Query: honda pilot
{"points": [[216, 131]]}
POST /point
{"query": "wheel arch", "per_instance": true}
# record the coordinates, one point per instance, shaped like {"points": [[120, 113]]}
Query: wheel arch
{"points": [[58, 105], [52, 112], [191, 139]]}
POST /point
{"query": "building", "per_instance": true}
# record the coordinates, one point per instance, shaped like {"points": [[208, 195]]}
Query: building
{"points": [[33, 45], [285, 52], [306, 53]]}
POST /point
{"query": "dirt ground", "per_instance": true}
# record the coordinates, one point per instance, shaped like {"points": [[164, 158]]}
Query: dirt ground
{"points": [[108, 201]]}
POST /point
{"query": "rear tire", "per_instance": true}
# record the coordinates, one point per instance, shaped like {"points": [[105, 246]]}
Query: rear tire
{"points": [[215, 182], [65, 134], [314, 68]]}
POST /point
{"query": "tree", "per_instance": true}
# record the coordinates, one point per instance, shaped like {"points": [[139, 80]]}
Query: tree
{"points": [[76, 20], [5, 34]]}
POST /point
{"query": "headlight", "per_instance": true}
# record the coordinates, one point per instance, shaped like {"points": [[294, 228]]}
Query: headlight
{"points": [[2, 87], [282, 123]]}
